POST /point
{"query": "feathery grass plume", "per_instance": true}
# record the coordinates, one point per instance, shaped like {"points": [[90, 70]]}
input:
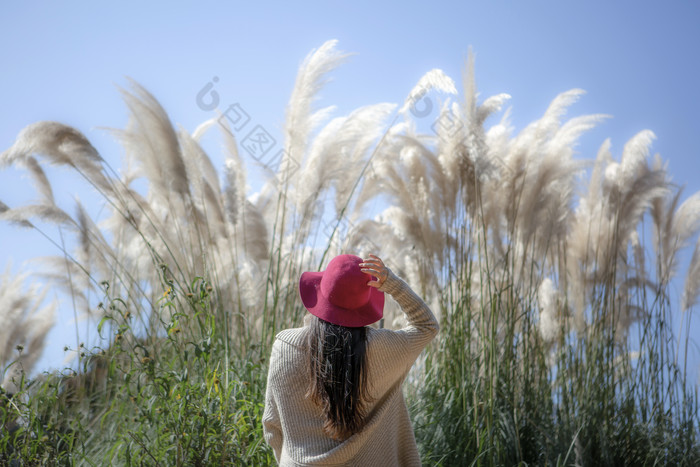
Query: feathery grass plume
{"points": [[410, 183], [380, 164], [255, 234], [301, 118], [204, 186], [692, 281], [674, 227], [466, 135], [151, 140], [471, 116], [541, 164], [416, 182], [232, 198], [61, 145], [204, 163], [435, 79], [469, 88], [337, 158], [489, 106], [603, 159], [66, 276], [277, 202], [632, 186], [451, 153], [21, 223], [634, 157], [318, 168], [27, 320], [95, 258], [547, 299], [45, 212], [551, 120], [638, 253], [235, 176], [360, 136], [541, 184], [538, 175], [606, 220], [41, 181]]}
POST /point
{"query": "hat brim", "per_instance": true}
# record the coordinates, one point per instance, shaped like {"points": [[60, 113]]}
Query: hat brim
{"points": [[318, 305]]}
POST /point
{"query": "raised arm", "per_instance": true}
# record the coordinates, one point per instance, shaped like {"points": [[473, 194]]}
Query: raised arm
{"points": [[422, 325]]}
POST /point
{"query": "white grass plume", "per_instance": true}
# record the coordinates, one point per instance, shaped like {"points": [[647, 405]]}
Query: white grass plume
{"points": [[301, 118], [151, 140], [691, 289], [61, 144], [547, 298], [41, 181], [4, 208], [436, 80], [368, 126], [603, 159], [204, 184], [489, 106], [674, 229], [234, 176], [44, 212], [26, 322], [634, 157], [339, 154], [255, 233], [197, 160], [232, 195]]}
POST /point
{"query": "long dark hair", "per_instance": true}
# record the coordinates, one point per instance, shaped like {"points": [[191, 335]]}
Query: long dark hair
{"points": [[337, 368]]}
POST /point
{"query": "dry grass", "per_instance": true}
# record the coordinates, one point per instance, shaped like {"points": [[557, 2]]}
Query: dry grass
{"points": [[555, 346]]}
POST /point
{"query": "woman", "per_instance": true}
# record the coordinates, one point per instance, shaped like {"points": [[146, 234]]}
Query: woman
{"points": [[334, 386]]}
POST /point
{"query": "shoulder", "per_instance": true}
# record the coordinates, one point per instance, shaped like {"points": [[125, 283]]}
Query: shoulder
{"points": [[295, 337], [383, 339], [287, 358]]}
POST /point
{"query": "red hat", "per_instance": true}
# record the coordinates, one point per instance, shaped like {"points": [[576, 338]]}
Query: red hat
{"points": [[340, 294]]}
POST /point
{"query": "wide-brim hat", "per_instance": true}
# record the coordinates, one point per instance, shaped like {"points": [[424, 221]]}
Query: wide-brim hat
{"points": [[340, 294]]}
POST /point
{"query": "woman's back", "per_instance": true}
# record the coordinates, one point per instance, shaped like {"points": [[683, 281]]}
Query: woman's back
{"points": [[294, 423]]}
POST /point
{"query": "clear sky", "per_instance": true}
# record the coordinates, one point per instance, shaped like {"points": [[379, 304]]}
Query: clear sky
{"points": [[637, 60]]}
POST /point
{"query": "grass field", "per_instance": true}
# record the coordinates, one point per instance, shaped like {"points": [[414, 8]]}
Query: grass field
{"points": [[551, 277]]}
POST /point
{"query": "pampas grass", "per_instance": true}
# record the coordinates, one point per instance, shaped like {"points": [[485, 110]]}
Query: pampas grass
{"points": [[555, 347], [27, 319]]}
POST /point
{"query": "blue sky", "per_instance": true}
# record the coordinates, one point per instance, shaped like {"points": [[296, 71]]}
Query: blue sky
{"points": [[637, 61]]}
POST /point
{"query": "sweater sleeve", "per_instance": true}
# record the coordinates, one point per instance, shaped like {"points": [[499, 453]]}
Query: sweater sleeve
{"points": [[272, 426], [422, 325]]}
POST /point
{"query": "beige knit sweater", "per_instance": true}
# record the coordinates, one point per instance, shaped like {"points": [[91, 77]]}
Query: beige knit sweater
{"points": [[293, 424]]}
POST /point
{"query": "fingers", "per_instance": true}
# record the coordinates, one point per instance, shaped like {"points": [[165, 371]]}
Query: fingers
{"points": [[371, 264], [374, 266], [376, 283], [372, 271], [373, 259]]}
